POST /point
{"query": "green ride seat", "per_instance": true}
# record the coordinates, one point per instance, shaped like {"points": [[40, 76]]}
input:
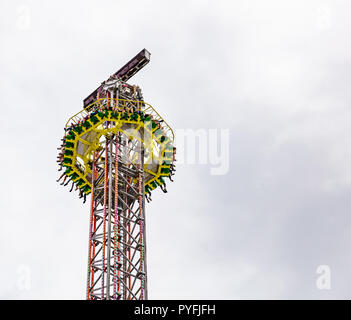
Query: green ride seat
{"points": [[147, 118], [86, 125], [147, 189], [100, 114], [68, 153], [125, 116], [69, 144], [74, 176], [67, 160], [94, 119], [85, 189], [68, 170], [71, 135], [160, 181], [78, 129], [165, 170]]}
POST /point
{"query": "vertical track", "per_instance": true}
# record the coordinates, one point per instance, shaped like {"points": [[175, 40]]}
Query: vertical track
{"points": [[128, 246], [117, 229], [142, 200], [109, 221], [125, 239], [141, 266], [104, 221], [93, 269], [91, 226]]}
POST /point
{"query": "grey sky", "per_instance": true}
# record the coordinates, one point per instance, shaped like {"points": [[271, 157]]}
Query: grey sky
{"points": [[275, 73]]}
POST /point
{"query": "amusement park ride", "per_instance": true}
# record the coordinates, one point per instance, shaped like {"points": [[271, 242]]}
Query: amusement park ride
{"points": [[118, 149]]}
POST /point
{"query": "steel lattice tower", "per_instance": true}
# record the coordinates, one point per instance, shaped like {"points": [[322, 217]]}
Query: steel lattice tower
{"points": [[118, 149], [117, 251]]}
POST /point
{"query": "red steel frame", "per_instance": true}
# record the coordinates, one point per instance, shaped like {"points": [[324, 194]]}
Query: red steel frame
{"points": [[116, 259]]}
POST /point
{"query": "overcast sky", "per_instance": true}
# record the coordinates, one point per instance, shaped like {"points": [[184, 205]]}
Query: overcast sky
{"points": [[275, 73]]}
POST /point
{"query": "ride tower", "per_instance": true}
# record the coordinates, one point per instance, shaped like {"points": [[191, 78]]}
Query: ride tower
{"points": [[118, 149]]}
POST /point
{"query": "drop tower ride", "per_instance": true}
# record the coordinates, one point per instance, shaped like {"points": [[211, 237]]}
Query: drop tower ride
{"points": [[117, 149]]}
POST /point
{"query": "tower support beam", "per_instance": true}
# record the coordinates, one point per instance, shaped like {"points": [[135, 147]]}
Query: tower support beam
{"points": [[117, 264]]}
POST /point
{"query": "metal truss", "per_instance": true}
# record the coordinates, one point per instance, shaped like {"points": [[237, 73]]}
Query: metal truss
{"points": [[117, 251]]}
